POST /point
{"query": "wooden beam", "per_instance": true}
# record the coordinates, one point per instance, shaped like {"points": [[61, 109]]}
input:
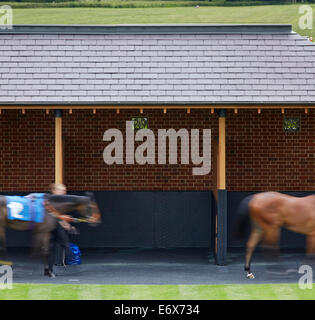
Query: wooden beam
{"points": [[134, 107], [221, 155], [58, 150]]}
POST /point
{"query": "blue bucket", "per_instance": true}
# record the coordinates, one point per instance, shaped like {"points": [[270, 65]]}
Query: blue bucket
{"points": [[74, 257]]}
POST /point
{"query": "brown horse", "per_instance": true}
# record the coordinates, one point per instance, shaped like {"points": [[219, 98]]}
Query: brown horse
{"points": [[268, 213], [56, 207]]}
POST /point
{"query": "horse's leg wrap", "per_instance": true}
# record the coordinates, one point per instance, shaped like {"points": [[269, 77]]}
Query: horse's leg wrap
{"points": [[48, 266], [249, 274], [49, 273], [252, 242]]}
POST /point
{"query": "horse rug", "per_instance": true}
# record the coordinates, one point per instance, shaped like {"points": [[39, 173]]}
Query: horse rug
{"points": [[26, 208]]}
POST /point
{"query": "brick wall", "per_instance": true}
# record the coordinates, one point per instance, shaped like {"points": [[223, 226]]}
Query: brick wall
{"points": [[260, 155], [28, 157], [27, 151], [84, 146]]}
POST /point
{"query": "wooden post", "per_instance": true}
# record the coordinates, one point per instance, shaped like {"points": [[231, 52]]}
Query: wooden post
{"points": [[221, 218], [58, 147], [221, 153]]}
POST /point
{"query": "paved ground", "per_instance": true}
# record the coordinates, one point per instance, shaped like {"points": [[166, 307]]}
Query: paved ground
{"points": [[144, 266]]}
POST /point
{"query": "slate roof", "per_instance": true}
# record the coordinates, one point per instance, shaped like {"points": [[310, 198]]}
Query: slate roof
{"points": [[156, 64]]}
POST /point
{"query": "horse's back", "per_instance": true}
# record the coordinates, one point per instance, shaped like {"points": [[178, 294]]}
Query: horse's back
{"points": [[268, 207], [26, 208], [265, 200], [278, 209]]}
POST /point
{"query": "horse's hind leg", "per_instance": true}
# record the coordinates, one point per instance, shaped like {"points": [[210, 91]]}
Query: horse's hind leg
{"points": [[310, 249], [271, 241], [47, 258], [3, 251], [2, 232], [254, 238], [41, 246], [2, 242]]}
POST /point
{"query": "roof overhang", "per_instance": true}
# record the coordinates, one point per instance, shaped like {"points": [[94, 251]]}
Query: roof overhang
{"points": [[154, 105], [151, 29]]}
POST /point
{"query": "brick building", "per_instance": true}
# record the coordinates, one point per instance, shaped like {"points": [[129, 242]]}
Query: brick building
{"points": [[62, 87]]}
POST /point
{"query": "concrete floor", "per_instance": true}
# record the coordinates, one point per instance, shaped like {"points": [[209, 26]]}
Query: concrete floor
{"points": [[147, 266]]}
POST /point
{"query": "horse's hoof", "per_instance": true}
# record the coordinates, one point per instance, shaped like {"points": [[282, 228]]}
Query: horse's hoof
{"points": [[250, 276], [49, 273]]}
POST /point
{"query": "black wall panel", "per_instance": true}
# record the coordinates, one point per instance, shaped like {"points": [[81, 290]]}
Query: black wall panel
{"points": [[158, 219], [153, 219], [182, 219]]}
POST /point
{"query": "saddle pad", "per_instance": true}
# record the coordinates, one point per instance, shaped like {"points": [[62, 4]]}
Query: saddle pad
{"points": [[21, 208]]}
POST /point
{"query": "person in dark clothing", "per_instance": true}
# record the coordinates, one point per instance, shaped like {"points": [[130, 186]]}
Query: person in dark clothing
{"points": [[59, 238]]}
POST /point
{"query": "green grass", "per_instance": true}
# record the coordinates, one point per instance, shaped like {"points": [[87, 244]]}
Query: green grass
{"points": [[136, 3], [156, 292], [278, 14]]}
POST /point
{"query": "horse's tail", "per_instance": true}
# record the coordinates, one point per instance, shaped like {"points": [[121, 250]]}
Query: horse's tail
{"points": [[242, 222]]}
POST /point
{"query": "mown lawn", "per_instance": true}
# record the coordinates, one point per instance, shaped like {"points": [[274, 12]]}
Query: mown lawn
{"points": [[287, 14], [157, 292]]}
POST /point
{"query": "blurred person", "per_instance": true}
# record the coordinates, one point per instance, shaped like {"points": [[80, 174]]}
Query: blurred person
{"points": [[59, 237], [58, 189], [61, 189]]}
